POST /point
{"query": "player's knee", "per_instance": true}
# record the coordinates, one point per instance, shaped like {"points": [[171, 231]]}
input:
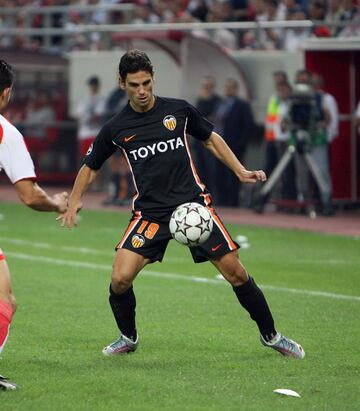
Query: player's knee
{"points": [[9, 298], [120, 284], [238, 276]]}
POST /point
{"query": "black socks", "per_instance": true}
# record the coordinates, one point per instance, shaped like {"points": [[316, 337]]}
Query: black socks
{"points": [[123, 307], [249, 295], [253, 300]]}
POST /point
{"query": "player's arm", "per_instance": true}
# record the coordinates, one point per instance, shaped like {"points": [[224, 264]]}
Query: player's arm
{"points": [[32, 195], [85, 177], [218, 147]]}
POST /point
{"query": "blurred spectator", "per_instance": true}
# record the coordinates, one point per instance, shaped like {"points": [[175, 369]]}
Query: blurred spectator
{"points": [[220, 12], [120, 176], [277, 135], [240, 9], [198, 9], [39, 115], [350, 16], [330, 104], [349, 10], [272, 11], [40, 131], [144, 14], [317, 13], [89, 114], [208, 100], [287, 7], [303, 76], [282, 135], [207, 103], [235, 123], [319, 147], [272, 118], [295, 37], [76, 41], [333, 16]]}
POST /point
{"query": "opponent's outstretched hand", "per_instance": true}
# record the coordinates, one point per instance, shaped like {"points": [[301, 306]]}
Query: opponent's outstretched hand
{"points": [[61, 200], [247, 176], [69, 217]]}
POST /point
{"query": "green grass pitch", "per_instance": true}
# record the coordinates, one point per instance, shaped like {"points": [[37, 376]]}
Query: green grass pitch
{"points": [[198, 350]]}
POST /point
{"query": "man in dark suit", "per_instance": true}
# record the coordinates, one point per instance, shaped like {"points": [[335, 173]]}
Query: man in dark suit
{"points": [[207, 103], [235, 122]]}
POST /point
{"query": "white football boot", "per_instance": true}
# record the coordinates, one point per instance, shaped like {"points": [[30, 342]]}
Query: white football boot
{"points": [[285, 346]]}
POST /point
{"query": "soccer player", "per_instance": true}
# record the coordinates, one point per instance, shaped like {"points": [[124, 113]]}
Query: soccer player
{"points": [[17, 163], [151, 132]]}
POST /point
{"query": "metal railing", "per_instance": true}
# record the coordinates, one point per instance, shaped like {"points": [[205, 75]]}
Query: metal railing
{"points": [[102, 34]]}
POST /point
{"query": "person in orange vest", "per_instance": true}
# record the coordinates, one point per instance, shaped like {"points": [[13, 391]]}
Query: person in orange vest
{"points": [[271, 119]]}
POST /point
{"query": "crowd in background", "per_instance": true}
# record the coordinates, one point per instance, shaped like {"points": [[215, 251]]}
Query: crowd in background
{"points": [[333, 18], [36, 116]]}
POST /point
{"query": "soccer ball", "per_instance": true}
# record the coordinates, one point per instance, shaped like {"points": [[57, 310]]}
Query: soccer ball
{"points": [[191, 224]]}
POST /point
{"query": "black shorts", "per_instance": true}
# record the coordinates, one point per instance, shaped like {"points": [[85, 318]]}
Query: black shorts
{"points": [[150, 239]]}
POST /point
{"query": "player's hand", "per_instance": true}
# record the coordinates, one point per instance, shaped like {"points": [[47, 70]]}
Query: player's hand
{"points": [[69, 217], [61, 200], [252, 176]]}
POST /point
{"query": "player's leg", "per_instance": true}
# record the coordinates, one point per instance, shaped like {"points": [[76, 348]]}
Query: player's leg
{"points": [[7, 309], [247, 292], [7, 301], [126, 266], [144, 241], [253, 300]]}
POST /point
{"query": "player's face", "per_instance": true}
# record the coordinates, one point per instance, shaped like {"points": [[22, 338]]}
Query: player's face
{"points": [[4, 99], [139, 88]]}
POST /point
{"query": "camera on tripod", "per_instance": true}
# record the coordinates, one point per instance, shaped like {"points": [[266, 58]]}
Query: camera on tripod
{"points": [[302, 116], [305, 123]]}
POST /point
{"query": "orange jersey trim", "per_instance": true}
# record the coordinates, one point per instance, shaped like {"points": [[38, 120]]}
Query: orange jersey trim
{"points": [[222, 228], [129, 229], [136, 195]]}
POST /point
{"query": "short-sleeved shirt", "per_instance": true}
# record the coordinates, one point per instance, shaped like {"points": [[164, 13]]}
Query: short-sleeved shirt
{"points": [[14, 156], [155, 145]]}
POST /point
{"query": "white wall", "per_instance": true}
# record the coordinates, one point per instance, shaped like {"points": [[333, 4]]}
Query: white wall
{"points": [[258, 67], [83, 64]]}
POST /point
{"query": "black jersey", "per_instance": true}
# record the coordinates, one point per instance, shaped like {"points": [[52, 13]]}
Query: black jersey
{"points": [[155, 146]]}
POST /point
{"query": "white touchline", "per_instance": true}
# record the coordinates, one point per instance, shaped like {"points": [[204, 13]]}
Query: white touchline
{"points": [[94, 251], [174, 276], [71, 249]]}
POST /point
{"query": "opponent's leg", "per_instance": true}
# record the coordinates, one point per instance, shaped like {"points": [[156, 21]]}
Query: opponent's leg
{"points": [[7, 301], [126, 266], [253, 300], [7, 309]]}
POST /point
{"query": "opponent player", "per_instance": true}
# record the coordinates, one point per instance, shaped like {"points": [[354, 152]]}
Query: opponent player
{"points": [[151, 132], [16, 161]]}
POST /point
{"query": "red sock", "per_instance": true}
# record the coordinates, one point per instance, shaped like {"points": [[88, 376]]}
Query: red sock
{"points": [[6, 314]]}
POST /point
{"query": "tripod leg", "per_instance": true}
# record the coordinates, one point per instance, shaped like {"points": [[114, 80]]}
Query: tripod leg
{"points": [[316, 172], [276, 174], [263, 194]]}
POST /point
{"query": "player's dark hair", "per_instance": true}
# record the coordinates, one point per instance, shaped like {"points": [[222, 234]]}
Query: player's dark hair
{"points": [[134, 61], [6, 75]]}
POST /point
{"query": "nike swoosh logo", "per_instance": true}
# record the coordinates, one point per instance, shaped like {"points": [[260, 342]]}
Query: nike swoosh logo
{"points": [[126, 139], [216, 247]]}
